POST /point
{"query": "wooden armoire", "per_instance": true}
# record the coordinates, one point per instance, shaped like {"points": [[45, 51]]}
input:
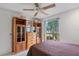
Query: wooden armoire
{"points": [[35, 35], [18, 34], [38, 29]]}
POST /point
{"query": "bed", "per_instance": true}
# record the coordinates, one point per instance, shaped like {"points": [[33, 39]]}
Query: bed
{"points": [[54, 48]]}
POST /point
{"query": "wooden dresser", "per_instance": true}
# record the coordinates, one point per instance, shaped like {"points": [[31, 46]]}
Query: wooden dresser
{"points": [[33, 36], [31, 39]]}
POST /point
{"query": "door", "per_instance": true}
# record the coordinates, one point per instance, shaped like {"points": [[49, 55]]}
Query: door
{"points": [[23, 37], [20, 38]]}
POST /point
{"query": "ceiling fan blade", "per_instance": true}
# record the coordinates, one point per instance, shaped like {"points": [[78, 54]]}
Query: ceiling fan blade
{"points": [[36, 14], [28, 9], [49, 6], [43, 12]]}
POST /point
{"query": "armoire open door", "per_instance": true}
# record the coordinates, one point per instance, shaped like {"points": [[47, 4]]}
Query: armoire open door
{"points": [[18, 34]]}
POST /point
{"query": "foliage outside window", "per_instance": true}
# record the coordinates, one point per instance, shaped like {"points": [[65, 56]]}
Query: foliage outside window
{"points": [[52, 29]]}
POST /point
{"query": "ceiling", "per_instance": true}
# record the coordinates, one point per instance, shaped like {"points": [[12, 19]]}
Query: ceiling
{"points": [[60, 7]]}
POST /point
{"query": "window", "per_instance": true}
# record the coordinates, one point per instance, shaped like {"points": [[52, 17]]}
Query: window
{"points": [[52, 29]]}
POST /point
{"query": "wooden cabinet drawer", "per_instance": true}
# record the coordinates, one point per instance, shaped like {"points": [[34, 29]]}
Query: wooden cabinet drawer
{"points": [[31, 39]]}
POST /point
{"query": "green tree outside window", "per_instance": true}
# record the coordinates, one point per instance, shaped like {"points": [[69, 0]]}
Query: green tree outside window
{"points": [[53, 28]]}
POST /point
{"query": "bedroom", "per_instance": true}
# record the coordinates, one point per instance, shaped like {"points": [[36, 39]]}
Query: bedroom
{"points": [[67, 13]]}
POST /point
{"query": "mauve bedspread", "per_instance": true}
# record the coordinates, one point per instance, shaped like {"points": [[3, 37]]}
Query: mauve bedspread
{"points": [[54, 48]]}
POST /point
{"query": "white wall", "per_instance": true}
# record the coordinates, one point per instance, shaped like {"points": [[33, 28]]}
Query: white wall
{"points": [[5, 30], [69, 26]]}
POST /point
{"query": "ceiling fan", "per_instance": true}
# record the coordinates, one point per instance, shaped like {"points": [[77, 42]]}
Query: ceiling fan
{"points": [[39, 9]]}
